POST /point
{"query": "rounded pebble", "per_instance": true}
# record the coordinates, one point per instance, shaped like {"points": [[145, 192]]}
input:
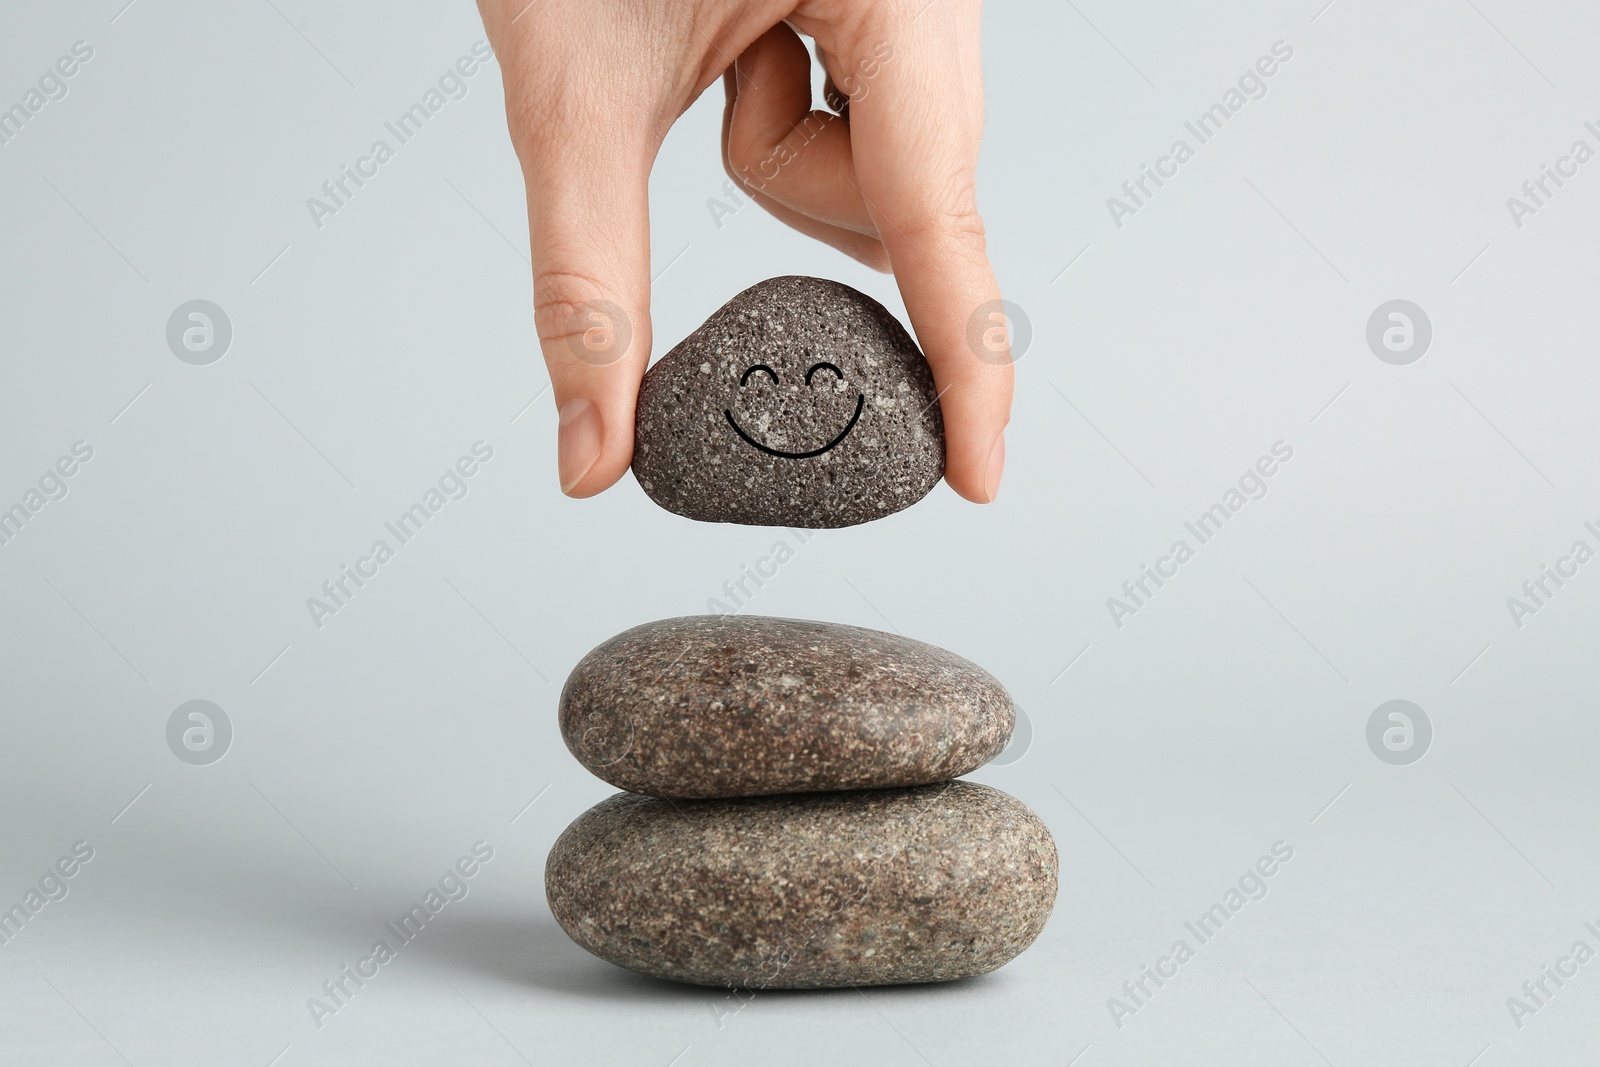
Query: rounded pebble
{"points": [[805, 891], [728, 706], [801, 402]]}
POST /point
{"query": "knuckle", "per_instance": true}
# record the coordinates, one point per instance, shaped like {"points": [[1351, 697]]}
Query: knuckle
{"points": [[560, 299], [752, 163], [739, 171], [950, 225], [743, 152], [574, 312]]}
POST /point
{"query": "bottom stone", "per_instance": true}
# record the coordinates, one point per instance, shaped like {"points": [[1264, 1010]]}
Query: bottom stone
{"points": [[872, 887]]}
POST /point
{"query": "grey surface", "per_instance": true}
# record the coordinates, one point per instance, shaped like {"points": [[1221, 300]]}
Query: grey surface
{"points": [[1168, 756]]}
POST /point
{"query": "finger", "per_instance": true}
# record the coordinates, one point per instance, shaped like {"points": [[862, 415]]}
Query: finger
{"points": [[777, 146], [864, 249], [589, 232], [916, 130]]}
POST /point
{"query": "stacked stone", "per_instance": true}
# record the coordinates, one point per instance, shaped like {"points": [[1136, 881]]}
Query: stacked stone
{"points": [[790, 819], [791, 815]]}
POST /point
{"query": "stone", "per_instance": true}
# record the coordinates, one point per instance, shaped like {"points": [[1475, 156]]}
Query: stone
{"points": [[801, 402], [730, 706], [803, 891]]}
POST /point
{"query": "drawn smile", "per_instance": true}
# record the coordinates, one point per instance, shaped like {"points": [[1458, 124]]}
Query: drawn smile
{"points": [[861, 401]]}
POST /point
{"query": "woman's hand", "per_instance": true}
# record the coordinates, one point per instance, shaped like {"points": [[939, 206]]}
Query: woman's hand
{"points": [[592, 86]]}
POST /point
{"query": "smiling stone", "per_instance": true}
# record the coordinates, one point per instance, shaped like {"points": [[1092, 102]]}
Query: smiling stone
{"points": [[801, 402]]}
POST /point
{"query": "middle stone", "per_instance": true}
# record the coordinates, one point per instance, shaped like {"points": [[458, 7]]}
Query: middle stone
{"points": [[729, 706]]}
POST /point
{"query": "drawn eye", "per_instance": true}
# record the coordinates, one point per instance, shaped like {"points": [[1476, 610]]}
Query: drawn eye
{"points": [[837, 373], [761, 367]]}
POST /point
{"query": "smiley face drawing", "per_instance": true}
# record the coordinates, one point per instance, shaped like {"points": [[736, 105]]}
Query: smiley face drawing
{"points": [[801, 402], [744, 379]]}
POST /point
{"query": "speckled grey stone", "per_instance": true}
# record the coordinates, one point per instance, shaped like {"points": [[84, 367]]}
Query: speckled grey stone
{"points": [[802, 891], [798, 443], [726, 706]]}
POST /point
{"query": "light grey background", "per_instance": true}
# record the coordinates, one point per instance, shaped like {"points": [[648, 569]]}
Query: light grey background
{"points": [[1168, 354]]}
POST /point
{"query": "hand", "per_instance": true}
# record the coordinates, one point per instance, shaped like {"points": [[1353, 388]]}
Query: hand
{"points": [[592, 86]]}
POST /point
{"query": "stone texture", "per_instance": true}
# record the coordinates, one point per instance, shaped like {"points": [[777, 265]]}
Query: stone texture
{"points": [[710, 423], [802, 891], [727, 706]]}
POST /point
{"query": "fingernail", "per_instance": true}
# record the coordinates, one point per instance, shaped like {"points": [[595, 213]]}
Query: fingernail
{"points": [[997, 467], [578, 440]]}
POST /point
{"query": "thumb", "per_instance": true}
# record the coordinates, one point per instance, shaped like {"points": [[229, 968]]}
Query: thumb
{"points": [[589, 232]]}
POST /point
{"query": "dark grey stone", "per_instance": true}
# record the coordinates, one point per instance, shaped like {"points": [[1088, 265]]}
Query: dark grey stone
{"points": [[800, 443], [804, 891], [726, 706]]}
